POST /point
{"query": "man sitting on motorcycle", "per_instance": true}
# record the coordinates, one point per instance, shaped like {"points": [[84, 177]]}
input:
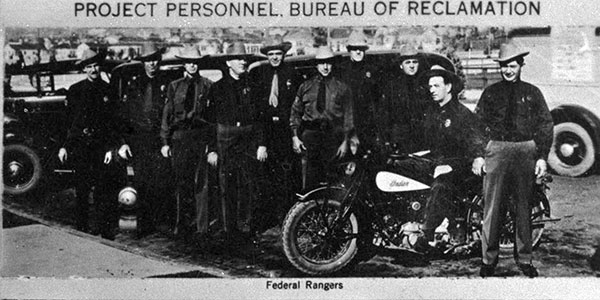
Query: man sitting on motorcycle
{"points": [[454, 136]]}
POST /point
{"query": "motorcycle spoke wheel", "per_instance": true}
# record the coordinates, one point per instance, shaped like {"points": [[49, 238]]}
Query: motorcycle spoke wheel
{"points": [[315, 240]]}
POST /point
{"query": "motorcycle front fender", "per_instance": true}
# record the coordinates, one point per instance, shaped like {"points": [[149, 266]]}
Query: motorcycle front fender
{"points": [[330, 192]]}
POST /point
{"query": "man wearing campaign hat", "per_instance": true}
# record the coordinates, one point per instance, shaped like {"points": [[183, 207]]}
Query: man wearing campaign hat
{"points": [[322, 118], [241, 144], [143, 102], [362, 76], [520, 127], [403, 103], [94, 133], [274, 87], [454, 136], [185, 135]]}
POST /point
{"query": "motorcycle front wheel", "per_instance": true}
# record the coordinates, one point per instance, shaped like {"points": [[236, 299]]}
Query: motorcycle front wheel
{"points": [[316, 241]]}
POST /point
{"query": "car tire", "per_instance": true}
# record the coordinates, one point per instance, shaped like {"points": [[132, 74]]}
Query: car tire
{"points": [[22, 169], [573, 152]]}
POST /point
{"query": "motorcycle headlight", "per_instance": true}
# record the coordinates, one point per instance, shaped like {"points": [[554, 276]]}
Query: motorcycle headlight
{"points": [[350, 168], [128, 196]]}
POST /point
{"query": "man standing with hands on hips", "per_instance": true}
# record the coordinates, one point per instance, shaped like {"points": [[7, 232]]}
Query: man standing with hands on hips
{"points": [[520, 128]]}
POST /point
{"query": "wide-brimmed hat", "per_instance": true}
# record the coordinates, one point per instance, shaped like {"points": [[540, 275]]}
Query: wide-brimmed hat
{"points": [[275, 43], [408, 51], [509, 52], [150, 52], [450, 77], [190, 54], [89, 57], [236, 50], [357, 40], [324, 54]]}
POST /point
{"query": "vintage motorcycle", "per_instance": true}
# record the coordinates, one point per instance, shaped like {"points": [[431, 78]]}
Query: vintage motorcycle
{"points": [[371, 205]]}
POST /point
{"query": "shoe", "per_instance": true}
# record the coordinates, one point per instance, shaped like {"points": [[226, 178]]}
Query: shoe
{"points": [[422, 245], [528, 270], [486, 270]]}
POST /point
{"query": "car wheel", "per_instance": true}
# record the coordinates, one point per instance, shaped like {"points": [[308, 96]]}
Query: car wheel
{"points": [[573, 152], [22, 169]]}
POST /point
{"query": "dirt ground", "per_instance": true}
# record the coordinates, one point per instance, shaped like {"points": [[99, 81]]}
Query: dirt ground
{"points": [[564, 251]]}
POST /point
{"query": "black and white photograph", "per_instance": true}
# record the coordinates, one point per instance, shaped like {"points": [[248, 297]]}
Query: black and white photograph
{"points": [[300, 149]]}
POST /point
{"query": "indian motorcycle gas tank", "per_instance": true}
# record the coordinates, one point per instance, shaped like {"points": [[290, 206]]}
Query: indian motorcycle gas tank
{"points": [[393, 183]]}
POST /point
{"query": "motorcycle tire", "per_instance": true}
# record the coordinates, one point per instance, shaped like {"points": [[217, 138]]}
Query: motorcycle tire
{"points": [[307, 243], [22, 169]]}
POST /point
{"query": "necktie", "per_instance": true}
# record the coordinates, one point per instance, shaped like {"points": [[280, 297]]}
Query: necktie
{"points": [[274, 90], [189, 97], [509, 123], [321, 96], [148, 97]]}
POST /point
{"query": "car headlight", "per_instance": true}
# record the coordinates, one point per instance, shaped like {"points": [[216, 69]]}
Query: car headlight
{"points": [[128, 196]]}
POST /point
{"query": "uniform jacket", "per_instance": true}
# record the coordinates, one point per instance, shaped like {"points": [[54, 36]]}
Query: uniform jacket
{"points": [[363, 78], [176, 117], [231, 104], [288, 81], [454, 134], [144, 100], [92, 108], [403, 107], [338, 107], [531, 117]]}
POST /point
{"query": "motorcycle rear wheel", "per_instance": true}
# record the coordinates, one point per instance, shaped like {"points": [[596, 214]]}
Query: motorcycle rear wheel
{"points": [[310, 244]]}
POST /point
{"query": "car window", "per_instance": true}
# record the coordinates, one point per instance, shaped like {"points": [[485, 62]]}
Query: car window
{"points": [[22, 83]]}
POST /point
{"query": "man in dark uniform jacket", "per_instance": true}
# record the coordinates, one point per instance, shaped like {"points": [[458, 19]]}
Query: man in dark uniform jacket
{"points": [[185, 136], [322, 119], [520, 127], [274, 87], [362, 76], [144, 100], [403, 104], [454, 136], [94, 134], [241, 143]]}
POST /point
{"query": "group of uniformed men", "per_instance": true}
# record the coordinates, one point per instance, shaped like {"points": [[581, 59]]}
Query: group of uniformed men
{"points": [[247, 124]]}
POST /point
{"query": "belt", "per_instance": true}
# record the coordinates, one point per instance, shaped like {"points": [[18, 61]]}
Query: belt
{"points": [[322, 125]]}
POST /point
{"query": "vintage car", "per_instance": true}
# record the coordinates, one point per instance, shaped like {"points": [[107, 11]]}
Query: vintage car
{"points": [[35, 121]]}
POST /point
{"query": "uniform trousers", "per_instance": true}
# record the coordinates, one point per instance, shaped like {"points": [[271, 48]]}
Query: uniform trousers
{"points": [[509, 183], [106, 181], [189, 166], [321, 148], [238, 169], [153, 181], [284, 174]]}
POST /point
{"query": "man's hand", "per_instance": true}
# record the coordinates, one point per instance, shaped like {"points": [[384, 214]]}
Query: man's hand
{"points": [[261, 153], [342, 149], [298, 145], [62, 155], [165, 151], [212, 159], [478, 166], [540, 168], [354, 143], [441, 170], [124, 151], [107, 157]]}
